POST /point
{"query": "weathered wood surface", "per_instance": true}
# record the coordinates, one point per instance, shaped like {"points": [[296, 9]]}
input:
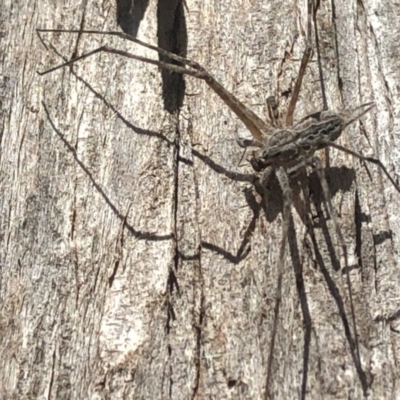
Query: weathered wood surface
{"points": [[137, 260]]}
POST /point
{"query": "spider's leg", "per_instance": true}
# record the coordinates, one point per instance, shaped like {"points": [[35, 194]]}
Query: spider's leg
{"points": [[321, 75], [130, 38], [265, 176], [287, 203], [369, 159], [258, 128], [198, 73], [312, 9], [303, 65], [316, 163]]}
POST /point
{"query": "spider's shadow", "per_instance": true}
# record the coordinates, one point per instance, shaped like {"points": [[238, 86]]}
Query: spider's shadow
{"points": [[338, 179], [171, 35]]}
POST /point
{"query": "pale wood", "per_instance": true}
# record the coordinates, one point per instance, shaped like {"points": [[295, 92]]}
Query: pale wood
{"points": [[138, 263]]}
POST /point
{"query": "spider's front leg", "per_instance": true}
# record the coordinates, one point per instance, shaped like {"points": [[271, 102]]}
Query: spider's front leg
{"points": [[258, 128]]}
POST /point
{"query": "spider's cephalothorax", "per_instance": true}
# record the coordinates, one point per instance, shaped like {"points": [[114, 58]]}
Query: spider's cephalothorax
{"points": [[294, 147]]}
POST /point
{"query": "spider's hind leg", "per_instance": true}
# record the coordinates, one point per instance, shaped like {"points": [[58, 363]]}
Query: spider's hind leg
{"points": [[286, 215], [317, 165]]}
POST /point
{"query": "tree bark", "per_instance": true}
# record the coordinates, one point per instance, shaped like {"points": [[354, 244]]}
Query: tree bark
{"points": [[139, 259]]}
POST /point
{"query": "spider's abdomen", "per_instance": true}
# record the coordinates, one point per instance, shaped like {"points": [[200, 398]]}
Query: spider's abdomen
{"points": [[319, 128], [293, 148]]}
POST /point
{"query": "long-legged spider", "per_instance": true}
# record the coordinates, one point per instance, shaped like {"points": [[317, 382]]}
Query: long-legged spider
{"points": [[284, 151]]}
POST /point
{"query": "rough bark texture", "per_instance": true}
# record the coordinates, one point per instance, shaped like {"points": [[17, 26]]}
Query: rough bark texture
{"points": [[138, 260]]}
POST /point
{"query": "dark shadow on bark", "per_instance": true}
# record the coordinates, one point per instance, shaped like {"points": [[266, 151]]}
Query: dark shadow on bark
{"points": [[381, 237], [244, 248], [273, 204], [130, 13], [334, 291], [336, 182], [338, 179], [328, 237], [171, 35], [134, 128], [272, 207], [138, 234]]}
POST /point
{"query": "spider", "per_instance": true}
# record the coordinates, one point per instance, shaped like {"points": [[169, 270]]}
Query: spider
{"points": [[285, 151]]}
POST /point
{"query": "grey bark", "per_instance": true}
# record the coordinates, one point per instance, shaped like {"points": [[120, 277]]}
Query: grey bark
{"points": [[137, 258]]}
